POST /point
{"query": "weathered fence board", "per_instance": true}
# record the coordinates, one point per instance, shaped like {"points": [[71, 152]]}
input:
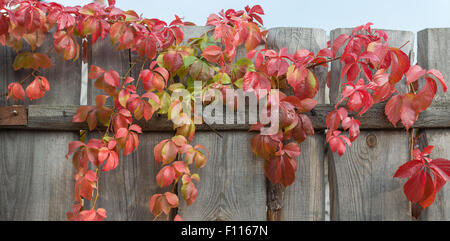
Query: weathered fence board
{"points": [[104, 55], [127, 189], [45, 117], [434, 52], [361, 183], [36, 178], [305, 198], [232, 183]]}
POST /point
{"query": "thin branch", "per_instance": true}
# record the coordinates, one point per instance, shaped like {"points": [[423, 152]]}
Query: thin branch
{"points": [[404, 44], [22, 81], [214, 130], [97, 190], [323, 62]]}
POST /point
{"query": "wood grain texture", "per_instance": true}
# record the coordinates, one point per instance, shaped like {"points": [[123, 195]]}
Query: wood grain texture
{"points": [[232, 184], [305, 198], [125, 192], [15, 115], [361, 183], [37, 180], [434, 52]]}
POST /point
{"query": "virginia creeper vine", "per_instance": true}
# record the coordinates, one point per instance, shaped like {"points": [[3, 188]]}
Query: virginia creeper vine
{"points": [[174, 65]]}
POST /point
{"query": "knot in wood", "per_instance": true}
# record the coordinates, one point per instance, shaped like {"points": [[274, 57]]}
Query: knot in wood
{"points": [[371, 140]]}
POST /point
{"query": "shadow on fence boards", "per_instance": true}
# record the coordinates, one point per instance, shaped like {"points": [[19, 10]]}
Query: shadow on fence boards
{"points": [[36, 179]]}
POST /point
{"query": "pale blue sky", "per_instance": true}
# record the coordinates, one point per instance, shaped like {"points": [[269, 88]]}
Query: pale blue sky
{"points": [[412, 15]]}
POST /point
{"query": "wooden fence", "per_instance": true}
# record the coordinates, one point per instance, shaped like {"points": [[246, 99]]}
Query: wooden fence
{"points": [[36, 179]]}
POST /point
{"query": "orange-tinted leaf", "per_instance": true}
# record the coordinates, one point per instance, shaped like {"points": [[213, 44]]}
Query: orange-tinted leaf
{"points": [[15, 90]]}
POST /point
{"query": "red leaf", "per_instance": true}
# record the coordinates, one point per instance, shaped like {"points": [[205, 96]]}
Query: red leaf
{"points": [[169, 152], [307, 88], [353, 126], [338, 42], [112, 162], [165, 176], [146, 46], [264, 146], [212, 53], [424, 98], [408, 169], [393, 109], [122, 132], [427, 150], [112, 78], [73, 146], [15, 90], [66, 42], [254, 37], [135, 128], [172, 199], [414, 187], [414, 73], [441, 166], [173, 61], [438, 75], [408, 114], [95, 72], [400, 65], [429, 192], [256, 81], [37, 88]]}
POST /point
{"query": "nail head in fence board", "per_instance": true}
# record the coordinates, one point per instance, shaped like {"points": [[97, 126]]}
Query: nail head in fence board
{"points": [[232, 184], [434, 52], [361, 183], [37, 180], [15, 115], [305, 198]]}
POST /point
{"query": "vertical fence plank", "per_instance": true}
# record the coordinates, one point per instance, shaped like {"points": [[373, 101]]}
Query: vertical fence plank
{"points": [[232, 183], [305, 198], [361, 182], [125, 191], [104, 55], [112, 185], [37, 180], [434, 52]]}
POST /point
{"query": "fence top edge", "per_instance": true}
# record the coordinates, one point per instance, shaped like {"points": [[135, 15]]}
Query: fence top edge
{"points": [[305, 28], [384, 29], [433, 29]]}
